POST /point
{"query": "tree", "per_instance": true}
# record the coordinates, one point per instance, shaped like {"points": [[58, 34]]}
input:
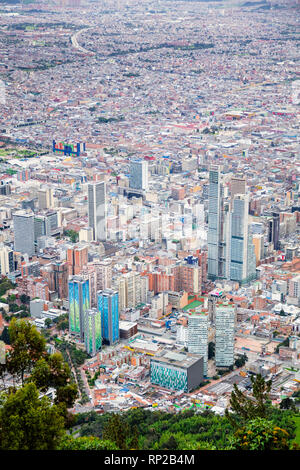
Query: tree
{"points": [[52, 372], [260, 434], [287, 404], [48, 322], [5, 336], [74, 236], [86, 443], [246, 408], [28, 422], [117, 431], [25, 299], [241, 361], [28, 346]]}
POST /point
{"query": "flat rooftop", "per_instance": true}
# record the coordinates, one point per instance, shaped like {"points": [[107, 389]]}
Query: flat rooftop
{"points": [[176, 359]]}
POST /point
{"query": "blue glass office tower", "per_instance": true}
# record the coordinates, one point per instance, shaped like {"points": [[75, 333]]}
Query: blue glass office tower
{"points": [[92, 331], [79, 303], [108, 305]]}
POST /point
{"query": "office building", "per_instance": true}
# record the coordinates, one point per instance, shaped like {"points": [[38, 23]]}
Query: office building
{"points": [[45, 198], [104, 273], [198, 336], [97, 209], [216, 230], [241, 259], [78, 304], [176, 371], [237, 185], [273, 230], [109, 308], [60, 275], [24, 224], [225, 325], [132, 289], [92, 331], [139, 175], [77, 258], [7, 263]]}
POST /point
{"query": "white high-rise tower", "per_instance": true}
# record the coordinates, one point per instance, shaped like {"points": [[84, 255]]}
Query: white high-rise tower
{"points": [[97, 209]]}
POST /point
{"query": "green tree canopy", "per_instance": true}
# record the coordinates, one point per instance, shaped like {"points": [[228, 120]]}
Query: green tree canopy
{"points": [[28, 346], [246, 408], [28, 422], [260, 434], [53, 371], [86, 443]]}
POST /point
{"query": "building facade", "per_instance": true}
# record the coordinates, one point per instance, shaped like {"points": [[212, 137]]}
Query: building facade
{"points": [[225, 327], [108, 305], [97, 209], [198, 336], [79, 303], [92, 331]]}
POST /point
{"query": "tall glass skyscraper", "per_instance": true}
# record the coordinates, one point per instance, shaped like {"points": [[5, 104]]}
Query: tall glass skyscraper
{"points": [[108, 305], [24, 232], [79, 303], [92, 331], [242, 260], [139, 174], [231, 252], [97, 209], [215, 239]]}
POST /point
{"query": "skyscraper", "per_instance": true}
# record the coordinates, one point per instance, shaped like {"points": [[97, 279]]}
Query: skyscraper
{"points": [[139, 174], [92, 331], [78, 304], [225, 323], [45, 198], [241, 259], [198, 336], [109, 308], [7, 264], [24, 232], [273, 230], [60, 277], [216, 242], [132, 289], [97, 209], [77, 258]]}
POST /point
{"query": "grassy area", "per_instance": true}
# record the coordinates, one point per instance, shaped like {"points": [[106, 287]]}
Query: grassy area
{"points": [[297, 438], [16, 153]]}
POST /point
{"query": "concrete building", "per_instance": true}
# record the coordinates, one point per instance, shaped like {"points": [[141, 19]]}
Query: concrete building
{"points": [[77, 258], [198, 336], [132, 289], [139, 175], [24, 224], [45, 198], [97, 210], [176, 371], [7, 264], [225, 327]]}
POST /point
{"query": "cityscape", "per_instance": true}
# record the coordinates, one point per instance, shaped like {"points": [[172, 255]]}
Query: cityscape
{"points": [[150, 226]]}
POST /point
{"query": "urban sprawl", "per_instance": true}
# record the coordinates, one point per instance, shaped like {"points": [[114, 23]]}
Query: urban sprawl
{"points": [[149, 195]]}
